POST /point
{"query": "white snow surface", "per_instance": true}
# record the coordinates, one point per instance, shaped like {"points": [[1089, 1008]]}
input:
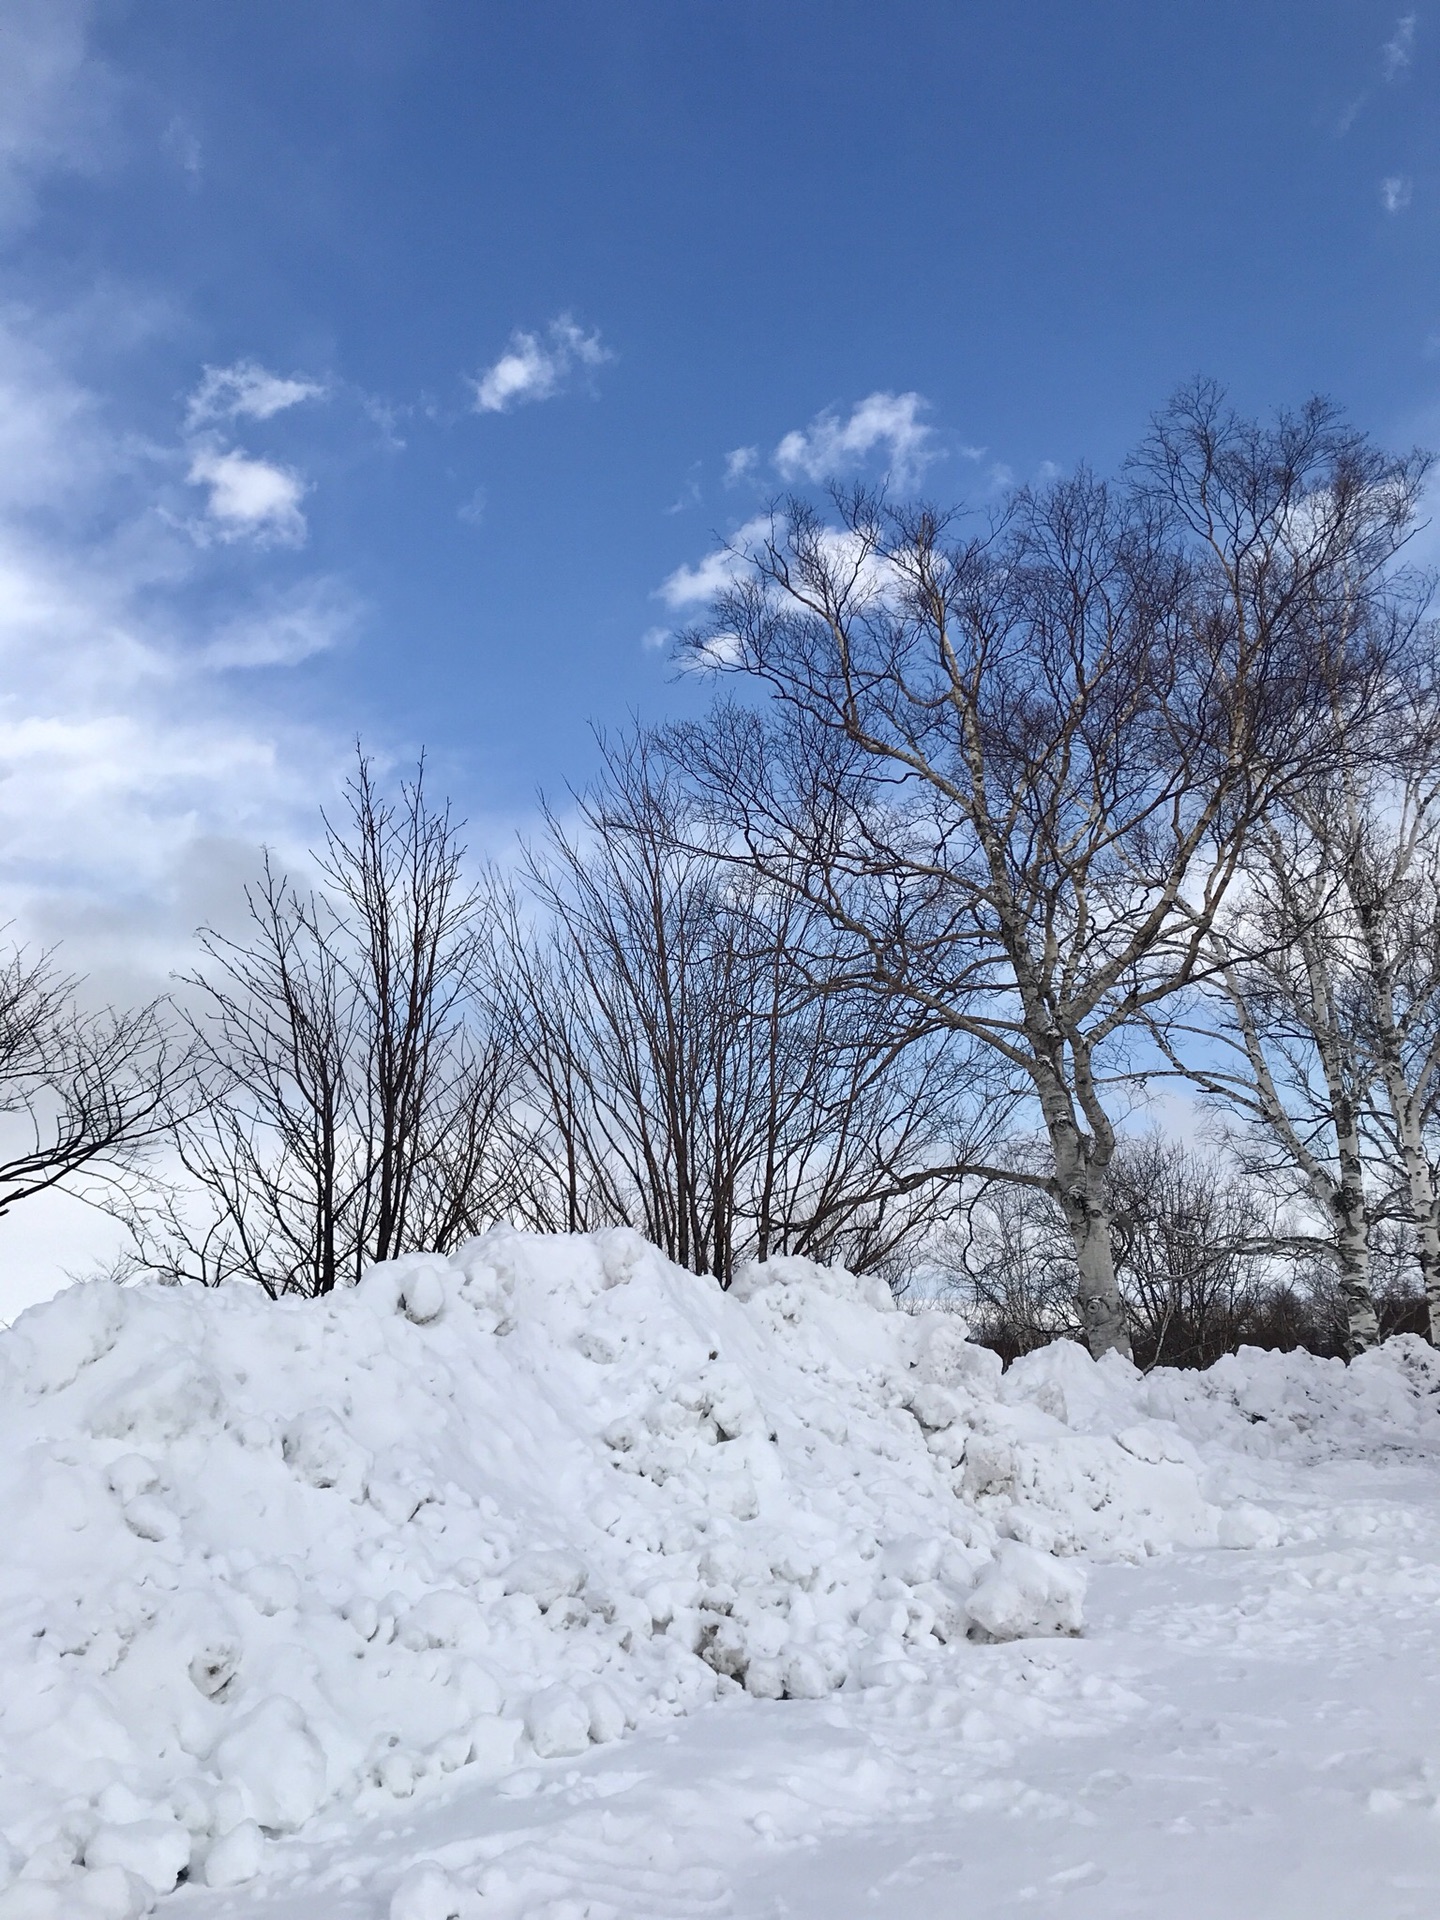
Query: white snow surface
{"points": [[358, 1607]]}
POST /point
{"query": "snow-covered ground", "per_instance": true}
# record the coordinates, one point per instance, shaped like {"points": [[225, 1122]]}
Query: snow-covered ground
{"points": [[549, 1582]]}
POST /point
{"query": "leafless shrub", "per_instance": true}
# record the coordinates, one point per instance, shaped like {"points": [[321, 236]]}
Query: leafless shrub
{"points": [[682, 1075], [352, 1076]]}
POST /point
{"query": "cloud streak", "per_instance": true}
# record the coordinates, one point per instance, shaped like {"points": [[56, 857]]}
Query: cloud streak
{"points": [[1398, 52], [248, 390], [538, 366]]}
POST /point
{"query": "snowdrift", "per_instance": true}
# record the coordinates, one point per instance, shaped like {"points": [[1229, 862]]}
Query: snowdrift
{"points": [[487, 1510]]}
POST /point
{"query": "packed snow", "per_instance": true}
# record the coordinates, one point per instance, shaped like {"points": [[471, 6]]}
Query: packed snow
{"points": [[549, 1580]]}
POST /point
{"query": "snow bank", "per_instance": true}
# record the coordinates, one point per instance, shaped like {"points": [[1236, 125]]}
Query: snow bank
{"points": [[486, 1511]]}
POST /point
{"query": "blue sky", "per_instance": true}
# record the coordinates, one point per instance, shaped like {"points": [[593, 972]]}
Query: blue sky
{"points": [[373, 367]]}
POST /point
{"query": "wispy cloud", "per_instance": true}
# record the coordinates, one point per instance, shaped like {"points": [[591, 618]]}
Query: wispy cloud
{"points": [[689, 494], [1397, 56], [740, 464], [1396, 193], [887, 423], [129, 784], [250, 499], [538, 366], [56, 100], [1398, 52], [248, 390], [139, 765], [132, 790], [284, 628], [182, 143]]}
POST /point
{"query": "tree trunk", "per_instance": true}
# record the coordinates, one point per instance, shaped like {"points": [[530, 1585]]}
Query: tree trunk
{"points": [[1080, 1190], [1424, 1206], [1102, 1311], [1352, 1249]]}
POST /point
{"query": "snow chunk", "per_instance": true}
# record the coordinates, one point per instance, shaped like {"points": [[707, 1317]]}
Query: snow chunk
{"points": [[236, 1857], [428, 1892], [277, 1763], [62, 1337], [1027, 1593], [558, 1722], [321, 1453], [545, 1576], [156, 1851], [444, 1619]]}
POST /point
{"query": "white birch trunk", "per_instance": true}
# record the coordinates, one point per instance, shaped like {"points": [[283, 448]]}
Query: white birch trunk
{"points": [[1080, 1190]]}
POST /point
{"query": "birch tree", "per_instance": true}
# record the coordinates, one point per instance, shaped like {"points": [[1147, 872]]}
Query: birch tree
{"points": [[1327, 980], [1279, 1041], [1015, 769], [1380, 831]]}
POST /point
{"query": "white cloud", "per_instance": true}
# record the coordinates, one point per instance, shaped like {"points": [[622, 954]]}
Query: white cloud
{"points": [[718, 653], [246, 388], [1399, 50], [884, 422], [654, 638], [537, 368], [1396, 192], [698, 585], [250, 499], [740, 464]]}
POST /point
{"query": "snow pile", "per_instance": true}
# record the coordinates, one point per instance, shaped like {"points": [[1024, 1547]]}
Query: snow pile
{"points": [[486, 1511]]}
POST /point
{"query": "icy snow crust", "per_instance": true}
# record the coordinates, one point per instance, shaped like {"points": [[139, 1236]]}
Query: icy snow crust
{"points": [[486, 1511]]}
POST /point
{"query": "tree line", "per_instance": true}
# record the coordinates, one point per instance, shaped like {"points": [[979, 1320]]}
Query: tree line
{"points": [[1001, 831]]}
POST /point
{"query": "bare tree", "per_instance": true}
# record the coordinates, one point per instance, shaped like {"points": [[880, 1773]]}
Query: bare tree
{"points": [[85, 1096], [1278, 1039], [1016, 771], [1195, 1248], [1204, 1261], [684, 1078], [1011, 1263], [1327, 985], [353, 1077], [1381, 835]]}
